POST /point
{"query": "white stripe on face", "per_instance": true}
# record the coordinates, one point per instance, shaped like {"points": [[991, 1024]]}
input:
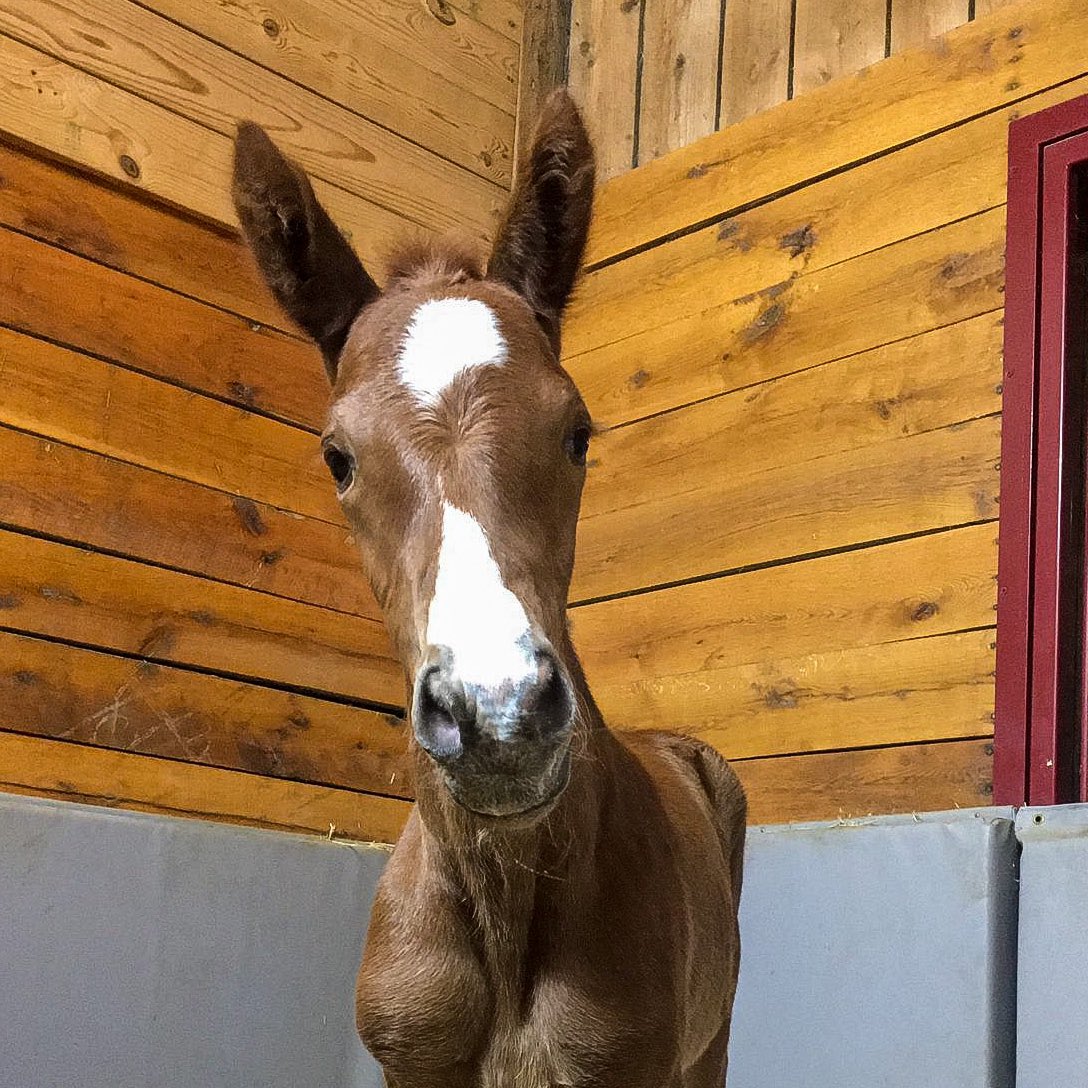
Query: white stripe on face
{"points": [[473, 613], [444, 337]]}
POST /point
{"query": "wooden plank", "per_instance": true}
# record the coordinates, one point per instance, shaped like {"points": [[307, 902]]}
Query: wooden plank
{"points": [[604, 63], [950, 176], [916, 22], [159, 61], [835, 38], [679, 95], [930, 585], [543, 64], [52, 293], [84, 402], [99, 776], [904, 388], [909, 485], [70, 114], [998, 61], [834, 785], [755, 57], [395, 63], [935, 279], [505, 16], [80, 213], [66, 493], [90, 697], [988, 7], [69, 593], [898, 693]]}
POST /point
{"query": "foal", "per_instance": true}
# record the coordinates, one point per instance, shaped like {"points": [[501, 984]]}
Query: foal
{"points": [[561, 909]]}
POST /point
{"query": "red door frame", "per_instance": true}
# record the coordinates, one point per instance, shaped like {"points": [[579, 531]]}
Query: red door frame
{"points": [[1041, 711]]}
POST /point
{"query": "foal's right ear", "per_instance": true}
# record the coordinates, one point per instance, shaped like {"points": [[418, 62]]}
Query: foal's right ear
{"points": [[308, 264]]}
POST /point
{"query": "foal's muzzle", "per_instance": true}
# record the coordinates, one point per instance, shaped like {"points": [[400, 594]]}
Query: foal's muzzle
{"points": [[502, 751]]}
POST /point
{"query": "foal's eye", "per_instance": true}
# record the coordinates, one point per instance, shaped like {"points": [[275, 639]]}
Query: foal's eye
{"points": [[577, 444], [341, 465]]}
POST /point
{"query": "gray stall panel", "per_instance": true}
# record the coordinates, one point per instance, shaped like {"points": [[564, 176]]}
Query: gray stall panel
{"points": [[147, 952], [143, 952], [879, 954], [1052, 1010]]}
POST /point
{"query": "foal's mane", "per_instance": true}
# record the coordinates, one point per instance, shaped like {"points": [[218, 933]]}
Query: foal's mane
{"points": [[435, 259]]}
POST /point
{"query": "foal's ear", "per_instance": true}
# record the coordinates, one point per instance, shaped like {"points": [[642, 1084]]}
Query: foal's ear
{"points": [[541, 241], [305, 260]]}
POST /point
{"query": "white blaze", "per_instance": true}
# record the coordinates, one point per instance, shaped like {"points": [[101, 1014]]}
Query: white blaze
{"points": [[472, 612], [444, 337]]}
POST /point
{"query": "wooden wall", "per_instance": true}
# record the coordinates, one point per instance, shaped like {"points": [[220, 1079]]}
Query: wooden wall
{"points": [[184, 625], [655, 75], [792, 335]]}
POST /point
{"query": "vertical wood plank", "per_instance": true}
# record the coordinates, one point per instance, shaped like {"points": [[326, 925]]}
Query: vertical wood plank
{"points": [[679, 90], [833, 38], [755, 57], [603, 77], [914, 22], [542, 66]]}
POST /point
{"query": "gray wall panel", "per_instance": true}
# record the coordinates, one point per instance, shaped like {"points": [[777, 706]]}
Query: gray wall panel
{"points": [[143, 952], [1052, 1010], [146, 952], [878, 953]]}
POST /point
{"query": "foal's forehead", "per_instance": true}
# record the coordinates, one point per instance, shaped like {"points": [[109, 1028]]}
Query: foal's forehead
{"points": [[416, 341]]}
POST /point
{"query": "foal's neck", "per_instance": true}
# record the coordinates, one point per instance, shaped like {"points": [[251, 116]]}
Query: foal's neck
{"points": [[505, 875]]}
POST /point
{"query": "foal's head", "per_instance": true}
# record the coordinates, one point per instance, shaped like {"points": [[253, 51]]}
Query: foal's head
{"points": [[457, 445]]}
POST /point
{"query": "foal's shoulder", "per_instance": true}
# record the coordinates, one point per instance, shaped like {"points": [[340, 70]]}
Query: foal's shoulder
{"points": [[704, 767]]}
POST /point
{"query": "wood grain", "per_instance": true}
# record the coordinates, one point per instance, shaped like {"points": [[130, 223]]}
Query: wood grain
{"points": [[85, 402], [909, 485], [896, 693], [90, 697], [916, 22], [834, 785], [505, 16], [101, 776], [998, 61], [80, 213], [69, 593], [949, 176], [52, 293], [59, 491], [930, 585], [75, 116], [835, 38], [900, 389], [755, 57], [935, 279], [159, 61], [984, 8], [604, 62], [393, 63], [543, 64], [681, 42]]}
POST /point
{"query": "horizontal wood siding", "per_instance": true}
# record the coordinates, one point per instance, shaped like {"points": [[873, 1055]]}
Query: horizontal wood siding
{"points": [[788, 542], [185, 626]]}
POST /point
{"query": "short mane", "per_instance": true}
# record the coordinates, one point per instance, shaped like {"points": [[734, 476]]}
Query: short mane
{"points": [[433, 259]]}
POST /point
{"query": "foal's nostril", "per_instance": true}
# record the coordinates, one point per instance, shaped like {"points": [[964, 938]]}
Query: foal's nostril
{"points": [[437, 715], [549, 705]]}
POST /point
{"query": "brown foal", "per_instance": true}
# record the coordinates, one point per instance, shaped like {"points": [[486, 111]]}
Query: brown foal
{"points": [[562, 907]]}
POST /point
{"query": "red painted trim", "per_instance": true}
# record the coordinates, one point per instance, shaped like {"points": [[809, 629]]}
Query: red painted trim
{"points": [[1017, 451], [1040, 693]]}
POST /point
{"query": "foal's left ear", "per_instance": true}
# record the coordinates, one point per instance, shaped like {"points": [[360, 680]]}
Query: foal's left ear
{"points": [[541, 241], [305, 260]]}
